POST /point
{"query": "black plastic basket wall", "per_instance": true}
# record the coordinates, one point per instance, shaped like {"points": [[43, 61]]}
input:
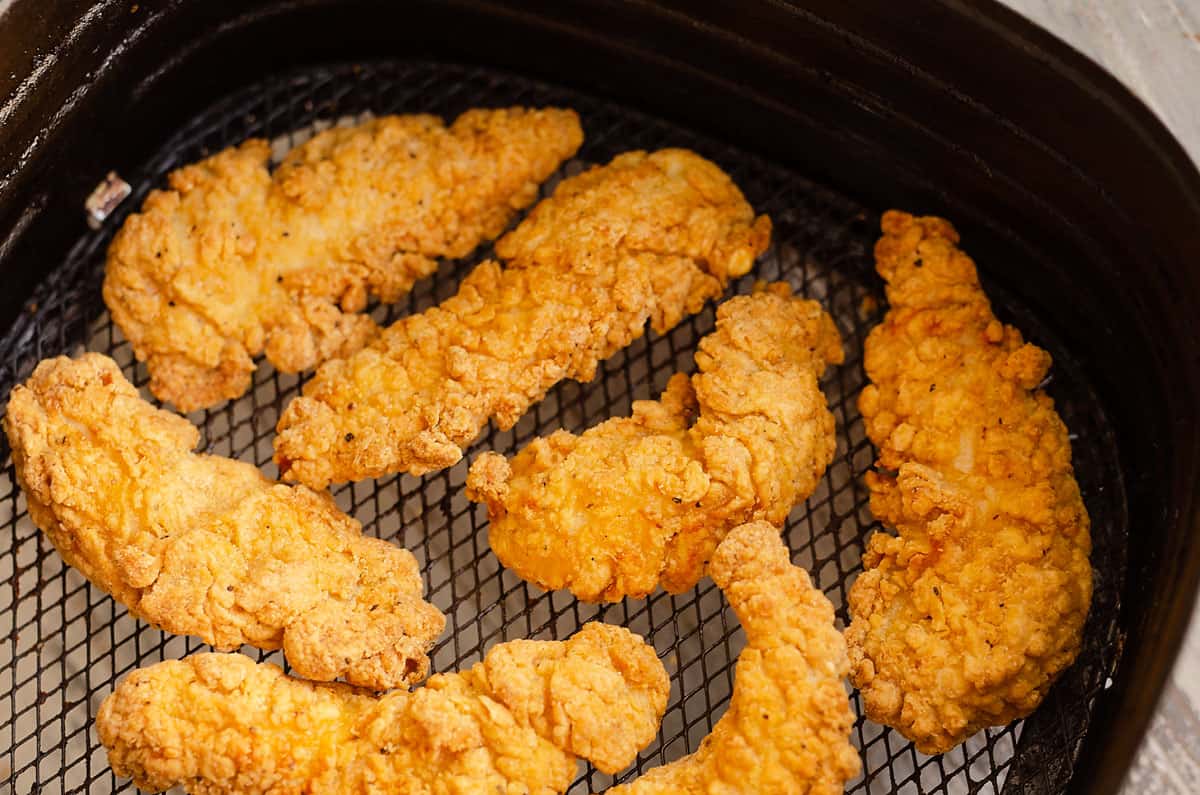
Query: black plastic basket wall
{"points": [[65, 644]]}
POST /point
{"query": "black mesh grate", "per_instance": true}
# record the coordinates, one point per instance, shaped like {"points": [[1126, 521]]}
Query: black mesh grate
{"points": [[66, 643]]}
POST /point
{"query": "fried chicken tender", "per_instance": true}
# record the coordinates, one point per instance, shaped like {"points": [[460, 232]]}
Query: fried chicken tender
{"points": [[206, 546], [965, 618], [647, 237], [233, 260], [788, 725], [514, 723], [644, 500]]}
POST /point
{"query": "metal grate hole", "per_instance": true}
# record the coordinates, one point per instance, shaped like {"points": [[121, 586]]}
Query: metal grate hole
{"points": [[66, 644]]}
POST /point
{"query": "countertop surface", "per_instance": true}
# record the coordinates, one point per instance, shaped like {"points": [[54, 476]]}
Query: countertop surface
{"points": [[1153, 46]]}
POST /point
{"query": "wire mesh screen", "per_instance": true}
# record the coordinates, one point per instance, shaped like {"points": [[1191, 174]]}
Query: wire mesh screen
{"points": [[65, 643]]}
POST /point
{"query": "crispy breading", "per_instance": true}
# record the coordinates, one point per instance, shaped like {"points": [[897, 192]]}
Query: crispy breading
{"points": [[514, 723], [965, 618], [641, 501], [206, 546], [787, 729], [647, 237], [233, 260]]}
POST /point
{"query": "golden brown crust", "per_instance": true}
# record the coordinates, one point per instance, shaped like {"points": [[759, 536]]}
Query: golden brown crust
{"points": [[206, 546], [232, 260], [647, 237], [641, 501], [515, 723], [788, 725], [966, 617]]}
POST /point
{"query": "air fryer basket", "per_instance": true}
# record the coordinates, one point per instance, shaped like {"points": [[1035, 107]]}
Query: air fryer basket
{"points": [[824, 116]]}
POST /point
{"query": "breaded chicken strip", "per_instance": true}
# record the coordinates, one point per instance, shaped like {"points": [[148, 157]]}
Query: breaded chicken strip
{"points": [[514, 723], [233, 260], [788, 725], [647, 237], [641, 501], [965, 618], [206, 546]]}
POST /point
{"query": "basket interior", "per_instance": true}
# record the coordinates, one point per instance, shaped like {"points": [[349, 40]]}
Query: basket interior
{"points": [[65, 644]]}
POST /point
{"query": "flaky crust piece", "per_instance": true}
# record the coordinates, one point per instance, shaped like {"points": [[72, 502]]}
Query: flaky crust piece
{"points": [[232, 260], [514, 723], [647, 237], [788, 725], [965, 618], [640, 501], [206, 546]]}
